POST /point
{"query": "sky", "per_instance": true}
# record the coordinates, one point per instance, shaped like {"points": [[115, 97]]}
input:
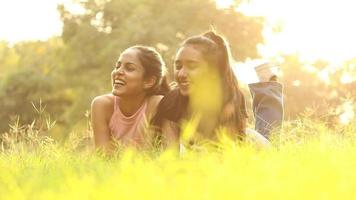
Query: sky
{"points": [[28, 20], [312, 28]]}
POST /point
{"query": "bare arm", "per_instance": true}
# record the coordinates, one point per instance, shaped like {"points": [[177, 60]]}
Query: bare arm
{"points": [[153, 103], [101, 111]]}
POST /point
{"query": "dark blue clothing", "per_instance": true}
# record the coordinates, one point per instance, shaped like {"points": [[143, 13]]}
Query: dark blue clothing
{"points": [[267, 106]]}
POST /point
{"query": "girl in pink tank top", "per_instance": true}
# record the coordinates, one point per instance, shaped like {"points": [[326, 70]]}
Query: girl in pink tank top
{"points": [[137, 86], [128, 129]]}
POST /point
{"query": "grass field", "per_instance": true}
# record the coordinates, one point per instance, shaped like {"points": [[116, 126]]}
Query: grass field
{"points": [[308, 160]]}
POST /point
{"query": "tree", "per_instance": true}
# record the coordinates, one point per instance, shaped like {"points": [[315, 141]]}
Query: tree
{"points": [[21, 89], [95, 38]]}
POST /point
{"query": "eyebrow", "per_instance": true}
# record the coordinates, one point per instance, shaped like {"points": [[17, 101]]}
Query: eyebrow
{"points": [[119, 62], [188, 61]]}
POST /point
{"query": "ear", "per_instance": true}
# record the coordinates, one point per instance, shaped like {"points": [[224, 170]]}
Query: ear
{"points": [[149, 82]]}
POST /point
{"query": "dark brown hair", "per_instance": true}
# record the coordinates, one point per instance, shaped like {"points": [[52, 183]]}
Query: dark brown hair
{"points": [[153, 65], [216, 52]]}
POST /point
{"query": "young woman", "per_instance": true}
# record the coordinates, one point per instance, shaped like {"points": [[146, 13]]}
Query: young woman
{"points": [[137, 88], [207, 91]]}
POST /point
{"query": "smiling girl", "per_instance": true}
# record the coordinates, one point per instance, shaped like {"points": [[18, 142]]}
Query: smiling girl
{"points": [[137, 88], [207, 90], [208, 94]]}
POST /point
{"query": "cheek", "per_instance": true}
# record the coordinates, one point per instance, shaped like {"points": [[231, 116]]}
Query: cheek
{"points": [[176, 74], [198, 72], [182, 73], [135, 78], [112, 76]]}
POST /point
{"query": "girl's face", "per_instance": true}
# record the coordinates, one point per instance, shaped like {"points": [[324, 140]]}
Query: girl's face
{"points": [[128, 75], [189, 65]]}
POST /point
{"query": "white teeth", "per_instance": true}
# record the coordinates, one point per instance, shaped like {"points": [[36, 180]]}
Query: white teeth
{"points": [[120, 82], [184, 83]]}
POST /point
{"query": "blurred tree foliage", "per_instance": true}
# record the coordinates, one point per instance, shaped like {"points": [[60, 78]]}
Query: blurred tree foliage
{"points": [[95, 38], [318, 89], [67, 72], [8, 59], [21, 90], [30, 73]]}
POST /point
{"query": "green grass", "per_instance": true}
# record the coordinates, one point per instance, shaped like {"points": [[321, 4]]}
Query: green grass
{"points": [[308, 160]]}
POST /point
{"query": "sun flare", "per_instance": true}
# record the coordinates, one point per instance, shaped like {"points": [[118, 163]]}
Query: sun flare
{"points": [[224, 3], [313, 29]]}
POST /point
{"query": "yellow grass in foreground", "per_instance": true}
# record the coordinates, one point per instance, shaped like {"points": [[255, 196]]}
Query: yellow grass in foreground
{"points": [[307, 161]]}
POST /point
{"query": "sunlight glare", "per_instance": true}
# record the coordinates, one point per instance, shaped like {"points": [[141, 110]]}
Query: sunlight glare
{"points": [[296, 83], [28, 20], [324, 76], [346, 79], [223, 3], [348, 112], [245, 71], [314, 29], [32, 20]]}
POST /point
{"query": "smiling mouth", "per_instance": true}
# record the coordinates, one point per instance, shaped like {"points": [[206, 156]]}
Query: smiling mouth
{"points": [[118, 82], [184, 83]]}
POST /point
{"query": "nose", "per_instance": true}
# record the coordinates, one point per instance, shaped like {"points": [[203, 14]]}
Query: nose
{"points": [[118, 71], [182, 73]]}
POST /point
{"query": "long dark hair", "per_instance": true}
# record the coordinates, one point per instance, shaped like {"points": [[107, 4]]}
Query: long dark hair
{"points": [[216, 52], [153, 65]]}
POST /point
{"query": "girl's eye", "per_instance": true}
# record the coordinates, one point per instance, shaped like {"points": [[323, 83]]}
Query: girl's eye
{"points": [[192, 66], [129, 68], [117, 66], [178, 67]]}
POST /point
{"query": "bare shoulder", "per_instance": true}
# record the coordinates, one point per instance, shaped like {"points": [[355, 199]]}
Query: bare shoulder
{"points": [[154, 100], [103, 104], [103, 101], [152, 104]]}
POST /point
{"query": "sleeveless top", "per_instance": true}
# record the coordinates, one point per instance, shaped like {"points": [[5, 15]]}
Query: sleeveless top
{"points": [[128, 130], [174, 107]]}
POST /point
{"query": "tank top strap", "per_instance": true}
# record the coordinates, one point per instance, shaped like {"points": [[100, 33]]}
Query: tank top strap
{"points": [[115, 103], [140, 112]]}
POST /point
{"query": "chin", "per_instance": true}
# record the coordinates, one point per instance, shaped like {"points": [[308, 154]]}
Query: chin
{"points": [[184, 92], [116, 93]]}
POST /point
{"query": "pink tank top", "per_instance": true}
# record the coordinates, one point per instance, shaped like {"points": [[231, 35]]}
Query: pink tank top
{"points": [[128, 130]]}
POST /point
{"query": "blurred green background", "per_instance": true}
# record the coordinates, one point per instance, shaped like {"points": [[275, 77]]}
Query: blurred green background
{"points": [[65, 73]]}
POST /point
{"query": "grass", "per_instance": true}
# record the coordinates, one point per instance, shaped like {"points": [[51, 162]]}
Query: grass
{"points": [[308, 160]]}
